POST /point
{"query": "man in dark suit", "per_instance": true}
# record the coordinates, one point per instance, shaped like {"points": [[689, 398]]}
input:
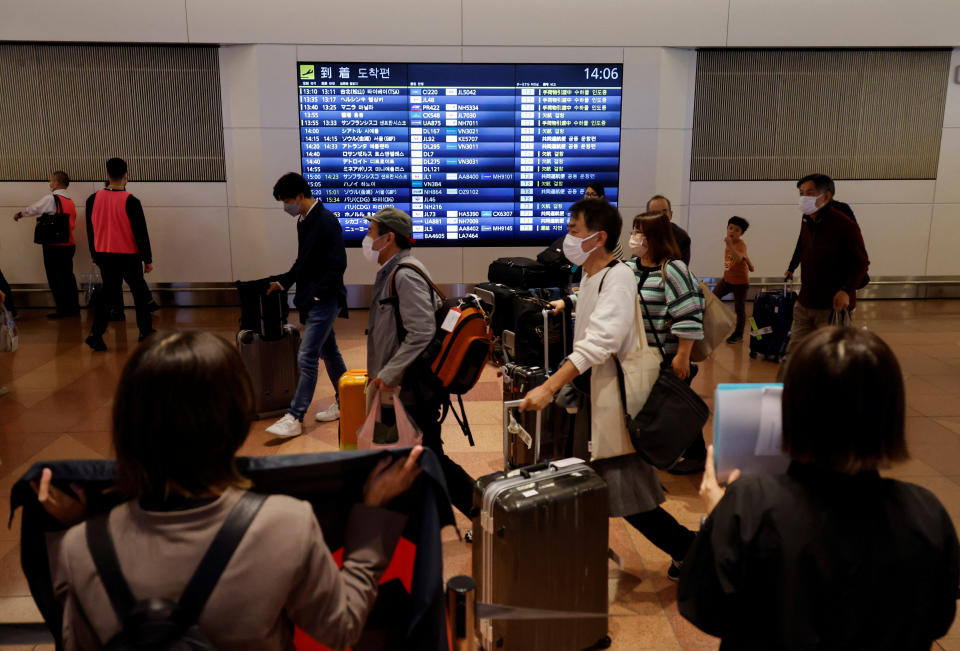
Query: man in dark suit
{"points": [[320, 298], [659, 203]]}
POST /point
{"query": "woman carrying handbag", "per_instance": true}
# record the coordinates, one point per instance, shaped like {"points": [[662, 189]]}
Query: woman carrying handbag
{"points": [[673, 308], [604, 331]]}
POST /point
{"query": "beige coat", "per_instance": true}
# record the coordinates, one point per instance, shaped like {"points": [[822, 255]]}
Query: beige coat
{"points": [[281, 574], [641, 367]]}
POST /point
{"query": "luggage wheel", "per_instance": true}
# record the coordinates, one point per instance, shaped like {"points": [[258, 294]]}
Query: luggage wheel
{"points": [[753, 355], [603, 643]]}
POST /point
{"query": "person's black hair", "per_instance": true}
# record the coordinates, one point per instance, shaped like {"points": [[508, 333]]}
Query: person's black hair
{"points": [[61, 177], [401, 241], [116, 168], [289, 186], [843, 402], [599, 215], [183, 408], [597, 187], [739, 221], [821, 182], [659, 196]]}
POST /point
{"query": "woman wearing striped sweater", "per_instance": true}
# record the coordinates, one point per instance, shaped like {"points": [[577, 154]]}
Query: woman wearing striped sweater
{"points": [[673, 307]]}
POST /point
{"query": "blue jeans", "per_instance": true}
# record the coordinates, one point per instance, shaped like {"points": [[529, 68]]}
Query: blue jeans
{"points": [[318, 341]]}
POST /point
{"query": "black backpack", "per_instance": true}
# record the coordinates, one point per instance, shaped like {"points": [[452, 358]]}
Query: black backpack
{"points": [[159, 624]]}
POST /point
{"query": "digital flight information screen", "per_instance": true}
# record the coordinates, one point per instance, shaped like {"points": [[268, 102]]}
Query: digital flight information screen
{"points": [[475, 153]]}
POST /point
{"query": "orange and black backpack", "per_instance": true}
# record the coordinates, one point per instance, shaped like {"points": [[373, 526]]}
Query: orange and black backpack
{"points": [[461, 345]]}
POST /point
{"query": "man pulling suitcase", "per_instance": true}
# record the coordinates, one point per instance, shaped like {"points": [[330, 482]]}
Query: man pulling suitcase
{"points": [[321, 296]]}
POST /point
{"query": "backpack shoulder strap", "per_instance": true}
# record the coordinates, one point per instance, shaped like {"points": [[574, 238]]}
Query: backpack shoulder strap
{"points": [[218, 555], [393, 300], [100, 544], [420, 272], [59, 203]]}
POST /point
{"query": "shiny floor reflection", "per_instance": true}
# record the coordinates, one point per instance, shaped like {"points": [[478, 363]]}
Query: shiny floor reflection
{"points": [[59, 401]]}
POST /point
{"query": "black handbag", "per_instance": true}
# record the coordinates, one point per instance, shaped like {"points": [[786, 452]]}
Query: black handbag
{"points": [[670, 420], [52, 228]]}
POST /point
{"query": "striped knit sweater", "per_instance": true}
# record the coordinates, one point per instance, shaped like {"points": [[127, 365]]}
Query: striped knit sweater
{"points": [[674, 309]]}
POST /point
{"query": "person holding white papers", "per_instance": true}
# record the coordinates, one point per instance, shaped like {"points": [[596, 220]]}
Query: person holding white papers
{"points": [[829, 555]]}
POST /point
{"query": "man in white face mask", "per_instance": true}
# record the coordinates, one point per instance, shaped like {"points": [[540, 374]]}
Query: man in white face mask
{"points": [[402, 324], [832, 257], [320, 298], [606, 325]]}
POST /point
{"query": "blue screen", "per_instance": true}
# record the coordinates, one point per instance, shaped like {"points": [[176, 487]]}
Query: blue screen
{"points": [[475, 153]]}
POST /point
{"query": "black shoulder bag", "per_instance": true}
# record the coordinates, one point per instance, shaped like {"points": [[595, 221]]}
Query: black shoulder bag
{"points": [[672, 417], [52, 228], [155, 623]]}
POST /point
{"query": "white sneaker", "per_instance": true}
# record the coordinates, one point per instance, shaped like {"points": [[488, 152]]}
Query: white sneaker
{"points": [[286, 427], [329, 414]]}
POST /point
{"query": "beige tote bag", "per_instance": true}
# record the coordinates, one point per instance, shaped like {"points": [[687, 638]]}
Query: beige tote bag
{"points": [[718, 322], [641, 368]]}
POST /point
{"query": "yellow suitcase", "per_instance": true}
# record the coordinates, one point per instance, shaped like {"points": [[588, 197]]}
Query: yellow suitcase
{"points": [[353, 406]]}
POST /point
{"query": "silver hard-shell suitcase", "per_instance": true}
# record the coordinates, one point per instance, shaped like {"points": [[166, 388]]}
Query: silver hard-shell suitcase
{"points": [[540, 541]]}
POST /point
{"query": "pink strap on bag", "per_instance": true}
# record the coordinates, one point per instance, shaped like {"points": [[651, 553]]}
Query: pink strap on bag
{"points": [[408, 435]]}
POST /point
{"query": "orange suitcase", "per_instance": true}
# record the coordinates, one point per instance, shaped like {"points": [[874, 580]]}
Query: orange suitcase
{"points": [[353, 406]]}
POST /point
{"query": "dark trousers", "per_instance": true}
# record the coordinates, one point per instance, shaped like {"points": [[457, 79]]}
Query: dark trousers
{"points": [[117, 268], [8, 301], [663, 530], [58, 263], [426, 416], [739, 301]]}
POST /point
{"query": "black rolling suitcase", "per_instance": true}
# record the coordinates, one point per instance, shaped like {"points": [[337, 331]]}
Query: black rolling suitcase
{"points": [[268, 347], [548, 434], [771, 322], [502, 304], [540, 337], [525, 273], [262, 313], [540, 541], [273, 369], [533, 436], [525, 442]]}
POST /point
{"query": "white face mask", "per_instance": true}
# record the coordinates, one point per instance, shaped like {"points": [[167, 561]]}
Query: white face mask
{"points": [[638, 245], [573, 250], [368, 252], [808, 205], [292, 209]]}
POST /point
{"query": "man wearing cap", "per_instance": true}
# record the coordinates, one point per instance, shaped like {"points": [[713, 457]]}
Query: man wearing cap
{"points": [[392, 359], [320, 298]]}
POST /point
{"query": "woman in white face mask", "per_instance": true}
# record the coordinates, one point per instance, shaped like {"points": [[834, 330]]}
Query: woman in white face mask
{"points": [[606, 326], [673, 315]]}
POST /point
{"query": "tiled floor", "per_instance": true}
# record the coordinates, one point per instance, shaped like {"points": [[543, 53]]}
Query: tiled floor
{"points": [[59, 407]]}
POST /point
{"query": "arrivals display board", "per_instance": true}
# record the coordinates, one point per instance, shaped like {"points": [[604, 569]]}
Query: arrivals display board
{"points": [[486, 154]]}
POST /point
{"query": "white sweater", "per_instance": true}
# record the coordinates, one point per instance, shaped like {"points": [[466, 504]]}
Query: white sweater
{"points": [[605, 320]]}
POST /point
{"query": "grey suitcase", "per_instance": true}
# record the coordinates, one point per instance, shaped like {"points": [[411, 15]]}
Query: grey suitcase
{"points": [[540, 541], [273, 368]]}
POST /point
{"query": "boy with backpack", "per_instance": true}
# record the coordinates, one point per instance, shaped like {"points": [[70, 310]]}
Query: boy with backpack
{"points": [[395, 345], [736, 273]]}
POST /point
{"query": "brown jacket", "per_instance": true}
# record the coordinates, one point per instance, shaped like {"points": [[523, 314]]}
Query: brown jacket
{"points": [[281, 574]]}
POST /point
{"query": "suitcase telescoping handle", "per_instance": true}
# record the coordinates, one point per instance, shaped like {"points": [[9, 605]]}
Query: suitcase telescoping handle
{"points": [[546, 337], [507, 406]]}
